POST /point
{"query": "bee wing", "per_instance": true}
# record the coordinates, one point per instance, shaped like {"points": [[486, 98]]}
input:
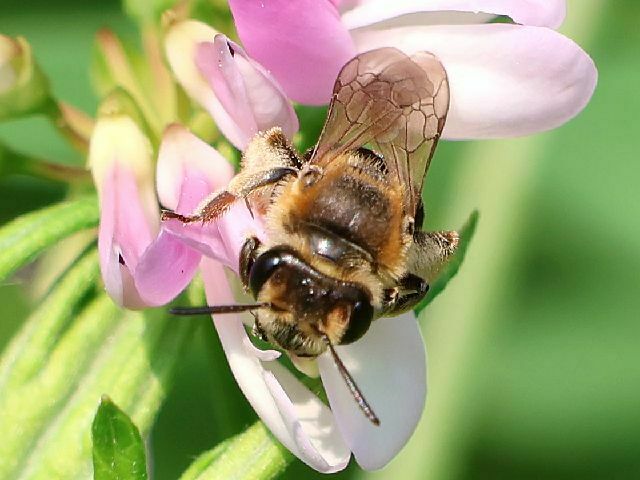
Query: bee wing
{"points": [[397, 104]]}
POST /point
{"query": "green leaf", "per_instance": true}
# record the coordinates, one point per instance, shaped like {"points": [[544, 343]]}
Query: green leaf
{"points": [[450, 271], [118, 450], [54, 374], [311, 122], [24, 238], [252, 455], [28, 352]]}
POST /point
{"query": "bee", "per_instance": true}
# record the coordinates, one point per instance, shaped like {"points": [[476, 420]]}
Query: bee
{"points": [[344, 221]]}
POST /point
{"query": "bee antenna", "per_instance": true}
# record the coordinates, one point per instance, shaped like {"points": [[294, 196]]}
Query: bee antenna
{"points": [[213, 309], [352, 386]]}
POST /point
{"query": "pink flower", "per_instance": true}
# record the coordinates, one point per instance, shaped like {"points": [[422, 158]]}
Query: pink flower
{"points": [[322, 437], [240, 95], [506, 79], [142, 263]]}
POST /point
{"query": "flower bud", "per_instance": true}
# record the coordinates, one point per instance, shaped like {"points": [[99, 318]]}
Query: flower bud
{"points": [[23, 87], [121, 161], [241, 96]]}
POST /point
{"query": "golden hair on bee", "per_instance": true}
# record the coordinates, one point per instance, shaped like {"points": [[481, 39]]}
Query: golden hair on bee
{"points": [[344, 241]]}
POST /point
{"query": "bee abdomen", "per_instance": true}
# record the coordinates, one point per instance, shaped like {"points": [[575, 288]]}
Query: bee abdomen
{"points": [[355, 210]]}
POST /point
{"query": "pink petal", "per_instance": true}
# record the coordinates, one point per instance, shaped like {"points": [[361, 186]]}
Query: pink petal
{"points": [[389, 366], [220, 240], [183, 154], [293, 414], [181, 42], [165, 269], [203, 238], [543, 13], [124, 234], [188, 171], [302, 43], [250, 95], [505, 80], [235, 227]]}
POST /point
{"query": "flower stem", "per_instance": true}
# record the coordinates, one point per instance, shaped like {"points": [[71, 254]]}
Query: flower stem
{"points": [[12, 163], [74, 125]]}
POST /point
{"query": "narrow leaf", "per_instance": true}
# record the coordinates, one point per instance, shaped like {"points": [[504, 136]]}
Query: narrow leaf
{"points": [[118, 450], [450, 271], [57, 380], [29, 350], [22, 239]]}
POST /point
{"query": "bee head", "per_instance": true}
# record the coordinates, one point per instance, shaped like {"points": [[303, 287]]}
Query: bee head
{"points": [[317, 302]]}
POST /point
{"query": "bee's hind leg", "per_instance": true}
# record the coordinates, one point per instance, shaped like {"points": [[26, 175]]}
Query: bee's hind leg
{"points": [[428, 254]]}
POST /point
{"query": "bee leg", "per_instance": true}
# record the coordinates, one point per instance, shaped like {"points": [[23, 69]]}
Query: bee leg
{"points": [[408, 292], [430, 252], [258, 332], [241, 186], [248, 254]]}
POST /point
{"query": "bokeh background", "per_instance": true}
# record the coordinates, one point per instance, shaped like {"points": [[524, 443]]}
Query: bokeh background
{"points": [[534, 349]]}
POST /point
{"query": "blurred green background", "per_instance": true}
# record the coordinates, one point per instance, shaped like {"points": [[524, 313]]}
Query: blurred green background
{"points": [[534, 349]]}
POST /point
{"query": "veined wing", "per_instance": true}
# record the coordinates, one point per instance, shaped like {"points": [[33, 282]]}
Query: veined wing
{"points": [[395, 103]]}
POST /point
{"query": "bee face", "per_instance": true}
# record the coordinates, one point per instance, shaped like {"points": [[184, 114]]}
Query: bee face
{"points": [[308, 308]]}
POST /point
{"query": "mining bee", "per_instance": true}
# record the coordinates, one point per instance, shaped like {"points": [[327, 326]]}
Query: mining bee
{"points": [[344, 221]]}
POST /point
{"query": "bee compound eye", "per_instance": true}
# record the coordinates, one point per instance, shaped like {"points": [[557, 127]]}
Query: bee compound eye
{"points": [[263, 268], [359, 321]]}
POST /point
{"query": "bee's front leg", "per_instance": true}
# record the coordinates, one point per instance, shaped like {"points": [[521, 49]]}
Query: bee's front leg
{"points": [[248, 254], [242, 185], [258, 332]]}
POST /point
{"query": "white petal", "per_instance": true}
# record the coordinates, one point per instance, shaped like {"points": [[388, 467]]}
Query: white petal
{"points": [[309, 421], [389, 366], [293, 414], [505, 80], [376, 13]]}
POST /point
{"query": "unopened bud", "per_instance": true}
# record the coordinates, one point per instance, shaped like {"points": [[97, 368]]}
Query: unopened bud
{"points": [[23, 88]]}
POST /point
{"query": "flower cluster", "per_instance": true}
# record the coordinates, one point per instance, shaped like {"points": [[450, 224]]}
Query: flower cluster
{"points": [[507, 78]]}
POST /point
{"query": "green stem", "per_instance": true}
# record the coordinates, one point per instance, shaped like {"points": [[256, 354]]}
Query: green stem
{"points": [[22, 239], [16, 163], [53, 171], [252, 455], [72, 124]]}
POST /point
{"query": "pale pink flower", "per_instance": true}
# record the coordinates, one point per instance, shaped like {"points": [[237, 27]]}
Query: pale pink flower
{"points": [[245, 100], [142, 264], [506, 79], [240, 95]]}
